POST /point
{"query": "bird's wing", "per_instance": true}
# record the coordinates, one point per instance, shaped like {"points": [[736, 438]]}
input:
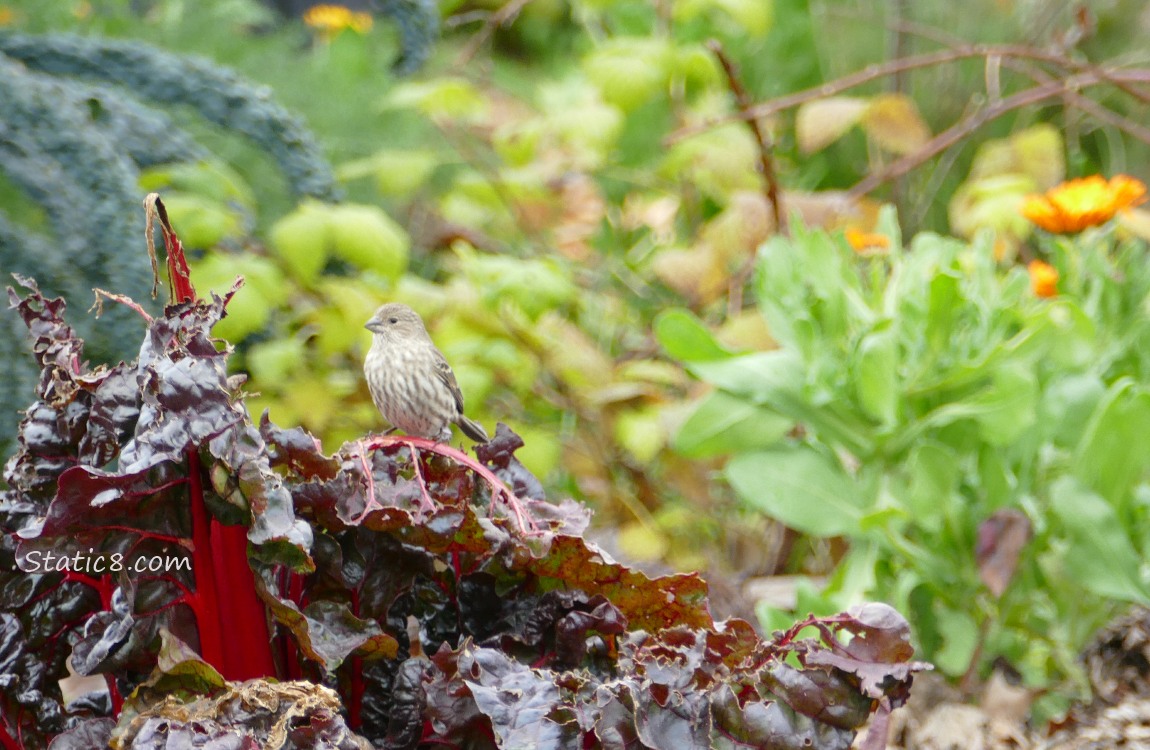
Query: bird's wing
{"points": [[444, 373]]}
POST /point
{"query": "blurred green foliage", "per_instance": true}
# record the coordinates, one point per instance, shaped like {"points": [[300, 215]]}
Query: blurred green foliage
{"points": [[525, 193], [942, 402]]}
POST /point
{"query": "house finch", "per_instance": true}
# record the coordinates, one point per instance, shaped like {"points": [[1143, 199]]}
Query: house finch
{"points": [[410, 381]]}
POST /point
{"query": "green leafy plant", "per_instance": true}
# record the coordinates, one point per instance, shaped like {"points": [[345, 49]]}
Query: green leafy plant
{"points": [[972, 441]]}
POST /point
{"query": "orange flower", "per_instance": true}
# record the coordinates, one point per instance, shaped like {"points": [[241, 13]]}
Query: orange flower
{"points": [[862, 241], [329, 20], [1043, 278], [1085, 202]]}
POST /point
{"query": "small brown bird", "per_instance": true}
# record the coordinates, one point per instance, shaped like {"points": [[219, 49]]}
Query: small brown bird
{"points": [[410, 381]]}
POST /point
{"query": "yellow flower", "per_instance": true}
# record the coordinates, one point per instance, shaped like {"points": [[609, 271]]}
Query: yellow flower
{"points": [[7, 16], [329, 20], [866, 242], [1085, 202], [1043, 278]]}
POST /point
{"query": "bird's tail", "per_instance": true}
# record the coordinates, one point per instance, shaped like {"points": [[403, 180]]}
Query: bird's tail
{"points": [[472, 429]]}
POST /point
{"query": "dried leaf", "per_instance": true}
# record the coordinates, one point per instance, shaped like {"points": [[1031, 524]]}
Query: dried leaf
{"points": [[699, 273], [583, 211], [1001, 539], [832, 209], [821, 122], [894, 122], [736, 233]]}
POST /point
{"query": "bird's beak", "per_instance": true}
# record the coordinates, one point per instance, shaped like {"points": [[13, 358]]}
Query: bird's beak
{"points": [[372, 325]]}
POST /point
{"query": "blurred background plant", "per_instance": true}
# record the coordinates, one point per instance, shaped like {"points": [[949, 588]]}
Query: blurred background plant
{"points": [[968, 431], [560, 172]]}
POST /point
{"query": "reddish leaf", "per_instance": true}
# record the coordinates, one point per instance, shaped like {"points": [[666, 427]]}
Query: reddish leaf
{"points": [[1001, 539]]}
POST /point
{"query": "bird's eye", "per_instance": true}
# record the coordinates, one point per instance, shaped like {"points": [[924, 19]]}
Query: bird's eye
{"points": [[393, 320]]}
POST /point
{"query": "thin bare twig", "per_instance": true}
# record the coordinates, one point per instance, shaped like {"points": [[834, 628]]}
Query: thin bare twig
{"points": [[766, 157], [465, 18], [766, 165], [866, 75], [969, 124], [1068, 63], [948, 159], [951, 136], [1101, 111], [124, 300], [1071, 98], [501, 17], [897, 47], [1116, 77], [1107, 115]]}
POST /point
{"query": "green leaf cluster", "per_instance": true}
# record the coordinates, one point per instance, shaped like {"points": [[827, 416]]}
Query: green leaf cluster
{"points": [[913, 396]]}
